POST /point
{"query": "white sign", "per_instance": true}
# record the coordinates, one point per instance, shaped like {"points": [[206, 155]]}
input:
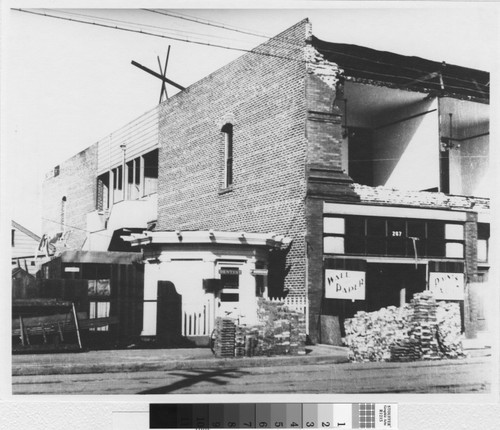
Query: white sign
{"points": [[344, 284], [259, 272], [447, 286], [72, 269]]}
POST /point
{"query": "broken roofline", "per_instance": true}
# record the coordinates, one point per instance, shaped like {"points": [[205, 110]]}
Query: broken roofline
{"points": [[371, 66], [366, 65]]}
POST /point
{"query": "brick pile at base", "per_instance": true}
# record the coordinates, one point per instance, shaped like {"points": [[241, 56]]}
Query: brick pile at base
{"points": [[422, 330], [280, 331]]}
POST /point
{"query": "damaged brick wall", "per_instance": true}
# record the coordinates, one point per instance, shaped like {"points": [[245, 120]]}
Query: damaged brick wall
{"points": [[262, 96], [77, 182], [325, 178]]}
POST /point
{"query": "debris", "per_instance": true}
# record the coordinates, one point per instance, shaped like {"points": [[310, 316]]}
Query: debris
{"points": [[280, 331], [422, 330]]}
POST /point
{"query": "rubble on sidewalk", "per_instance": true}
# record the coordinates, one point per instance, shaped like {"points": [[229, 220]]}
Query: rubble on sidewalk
{"points": [[280, 331], [421, 330]]}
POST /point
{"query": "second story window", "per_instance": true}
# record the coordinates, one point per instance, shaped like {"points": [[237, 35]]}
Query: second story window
{"points": [[227, 130]]}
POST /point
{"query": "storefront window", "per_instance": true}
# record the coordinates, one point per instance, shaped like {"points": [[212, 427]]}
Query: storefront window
{"points": [[393, 237]]}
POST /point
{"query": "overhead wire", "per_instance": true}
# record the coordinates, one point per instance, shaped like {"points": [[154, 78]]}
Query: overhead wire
{"points": [[189, 18], [254, 51], [206, 22], [142, 25], [179, 39], [146, 118]]}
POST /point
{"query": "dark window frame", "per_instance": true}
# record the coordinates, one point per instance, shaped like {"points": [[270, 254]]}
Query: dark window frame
{"points": [[228, 132], [367, 241]]}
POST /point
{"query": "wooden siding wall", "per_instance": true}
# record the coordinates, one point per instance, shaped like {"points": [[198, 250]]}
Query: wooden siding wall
{"points": [[140, 136], [24, 245]]}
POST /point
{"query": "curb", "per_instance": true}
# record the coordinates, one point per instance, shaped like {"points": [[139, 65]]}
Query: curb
{"points": [[215, 363]]}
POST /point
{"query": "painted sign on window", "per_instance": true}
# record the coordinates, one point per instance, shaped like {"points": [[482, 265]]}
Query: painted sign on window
{"points": [[447, 286], [344, 284]]}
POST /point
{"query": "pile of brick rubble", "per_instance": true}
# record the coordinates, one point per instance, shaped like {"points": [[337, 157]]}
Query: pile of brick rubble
{"points": [[280, 331], [421, 330]]}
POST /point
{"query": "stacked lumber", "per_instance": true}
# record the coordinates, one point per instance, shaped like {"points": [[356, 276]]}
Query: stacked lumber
{"points": [[405, 350], [297, 333], [423, 327], [283, 330], [239, 342], [225, 337], [280, 331], [449, 328], [251, 342]]}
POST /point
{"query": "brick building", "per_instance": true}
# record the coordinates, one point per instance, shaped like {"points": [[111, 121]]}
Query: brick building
{"points": [[335, 177]]}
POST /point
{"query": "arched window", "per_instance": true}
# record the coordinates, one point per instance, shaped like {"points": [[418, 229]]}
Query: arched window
{"points": [[227, 130]]}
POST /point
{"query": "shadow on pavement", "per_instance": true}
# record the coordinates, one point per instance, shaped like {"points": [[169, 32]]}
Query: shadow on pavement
{"points": [[192, 377]]}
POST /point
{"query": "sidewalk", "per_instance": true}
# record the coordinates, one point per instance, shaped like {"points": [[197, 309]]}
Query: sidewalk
{"points": [[141, 360]]}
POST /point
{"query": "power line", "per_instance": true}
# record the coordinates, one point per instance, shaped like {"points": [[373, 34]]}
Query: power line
{"points": [[147, 33], [204, 22], [142, 25], [479, 91]]}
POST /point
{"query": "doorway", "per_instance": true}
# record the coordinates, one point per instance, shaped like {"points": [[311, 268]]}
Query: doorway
{"points": [[392, 284]]}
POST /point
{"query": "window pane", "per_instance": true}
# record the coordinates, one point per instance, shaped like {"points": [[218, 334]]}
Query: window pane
{"points": [[92, 313], [483, 231], [435, 248], [375, 227], [454, 232], [396, 228], [416, 229], [396, 246], [355, 245], [375, 245], [230, 281], [333, 225], [482, 250], [333, 245], [454, 250], [435, 230], [225, 297], [102, 309], [355, 226]]}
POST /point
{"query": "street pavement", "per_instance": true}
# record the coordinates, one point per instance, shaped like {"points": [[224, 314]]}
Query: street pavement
{"points": [[195, 371], [140, 360]]}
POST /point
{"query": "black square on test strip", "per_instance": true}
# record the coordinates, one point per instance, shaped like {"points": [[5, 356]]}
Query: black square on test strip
{"points": [[162, 416]]}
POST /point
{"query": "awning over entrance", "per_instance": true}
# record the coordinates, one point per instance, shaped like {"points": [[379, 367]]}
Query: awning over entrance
{"points": [[207, 237], [100, 257]]}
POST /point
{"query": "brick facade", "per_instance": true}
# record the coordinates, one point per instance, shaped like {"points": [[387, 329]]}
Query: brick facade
{"points": [[77, 182], [263, 97]]}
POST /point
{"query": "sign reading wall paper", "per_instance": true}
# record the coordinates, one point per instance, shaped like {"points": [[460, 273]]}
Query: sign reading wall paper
{"points": [[447, 286], [345, 284]]}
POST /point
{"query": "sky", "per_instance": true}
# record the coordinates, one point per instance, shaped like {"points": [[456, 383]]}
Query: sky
{"points": [[67, 85]]}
